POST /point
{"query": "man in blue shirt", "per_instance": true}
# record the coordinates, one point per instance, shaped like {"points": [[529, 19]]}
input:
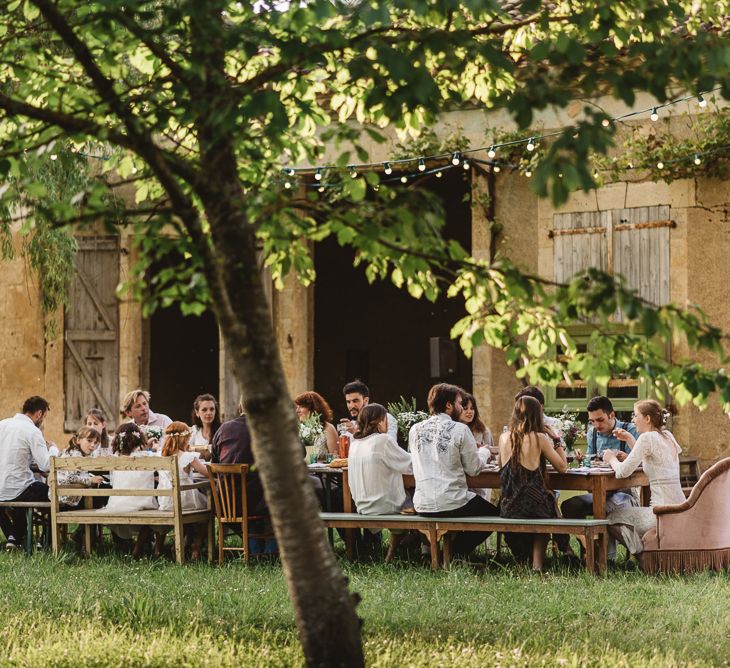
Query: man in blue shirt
{"points": [[603, 424]]}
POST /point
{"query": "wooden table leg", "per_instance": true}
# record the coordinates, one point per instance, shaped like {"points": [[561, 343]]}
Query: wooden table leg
{"points": [[347, 508], [434, 540], [599, 513], [447, 550], [590, 553], [602, 547]]}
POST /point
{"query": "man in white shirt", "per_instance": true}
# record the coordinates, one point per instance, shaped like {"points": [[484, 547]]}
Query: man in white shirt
{"points": [[357, 396], [444, 452], [21, 443]]}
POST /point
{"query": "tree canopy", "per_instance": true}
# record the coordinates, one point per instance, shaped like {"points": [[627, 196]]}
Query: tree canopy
{"points": [[197, 105]]}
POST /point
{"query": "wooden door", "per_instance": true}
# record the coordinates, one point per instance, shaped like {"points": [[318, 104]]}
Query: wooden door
{"points": [[91, 339]]}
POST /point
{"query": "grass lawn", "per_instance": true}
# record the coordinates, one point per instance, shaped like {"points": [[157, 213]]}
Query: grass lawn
{"points": [[110, 611]]}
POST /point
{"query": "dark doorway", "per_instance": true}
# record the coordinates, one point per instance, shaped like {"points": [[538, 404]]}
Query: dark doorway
{"points": [[396, 344]]}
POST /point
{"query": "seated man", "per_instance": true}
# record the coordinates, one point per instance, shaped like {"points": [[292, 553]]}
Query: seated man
{"points": [[357, 396], [443, 452], [22, 442], [603, 423], [136, 408]]}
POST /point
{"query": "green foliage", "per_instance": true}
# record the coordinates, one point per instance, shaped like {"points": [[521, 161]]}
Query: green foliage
{"points": [[175, 93]]}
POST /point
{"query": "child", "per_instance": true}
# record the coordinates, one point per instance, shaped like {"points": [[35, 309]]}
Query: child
{"points": [[82, 444], [97, 420], [177, 442], [130, 441]]}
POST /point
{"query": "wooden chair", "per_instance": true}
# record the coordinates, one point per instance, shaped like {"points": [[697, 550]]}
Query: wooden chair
{"points": [[228, 481], [689, 473]]}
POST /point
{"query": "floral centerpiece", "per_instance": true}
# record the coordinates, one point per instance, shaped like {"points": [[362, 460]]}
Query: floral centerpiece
{"points": [[406, 415], [152, 432], [310, 431], [569, 427]]}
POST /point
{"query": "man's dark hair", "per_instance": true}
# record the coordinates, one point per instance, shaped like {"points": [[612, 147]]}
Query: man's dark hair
{"points": [[356, 387], [531, 391], [33, 404], [600, 404], [440, 395]]}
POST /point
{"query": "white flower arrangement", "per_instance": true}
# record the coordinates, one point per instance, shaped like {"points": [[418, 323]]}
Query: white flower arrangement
{"points": [[406, 415], [152, 432], [569, 427], [310, 429]]}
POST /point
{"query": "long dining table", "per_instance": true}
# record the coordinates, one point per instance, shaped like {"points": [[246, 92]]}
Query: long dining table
{"points": [[597, 480]]}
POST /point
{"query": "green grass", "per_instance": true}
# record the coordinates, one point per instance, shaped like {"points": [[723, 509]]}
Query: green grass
{"points": [[109, 611]]}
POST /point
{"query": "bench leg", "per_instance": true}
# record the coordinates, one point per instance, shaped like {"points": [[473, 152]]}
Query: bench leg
{"points": [[602, 552], [179, 544], [433, 539], [54, 538], [29, 531], [211, 538], [87, 539], [447, 550], [590, 552]]}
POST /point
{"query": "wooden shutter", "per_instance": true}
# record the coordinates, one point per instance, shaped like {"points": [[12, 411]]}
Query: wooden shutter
{"points": [[91, 339], [631, 242]]}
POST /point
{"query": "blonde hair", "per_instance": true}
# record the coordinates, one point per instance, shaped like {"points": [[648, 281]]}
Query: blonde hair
{"points": [[131, 398], [177, 439], [654, 411]]}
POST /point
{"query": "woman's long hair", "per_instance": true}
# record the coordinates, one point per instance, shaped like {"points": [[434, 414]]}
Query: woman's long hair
{"points": [[177, 439], [527, 418], [194, 419], [477, 426], [654, 411], [316, 403], [369, 419]]}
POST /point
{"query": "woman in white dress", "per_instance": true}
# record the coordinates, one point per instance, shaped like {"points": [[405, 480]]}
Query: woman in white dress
{"points": [[658, 451], [130, 441], [205, 420], [177, 442], [308, 403]]}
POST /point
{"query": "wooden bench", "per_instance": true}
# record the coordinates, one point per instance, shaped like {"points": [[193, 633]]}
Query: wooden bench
{"points": [[435, 528], [176, 518], [29, 507]]}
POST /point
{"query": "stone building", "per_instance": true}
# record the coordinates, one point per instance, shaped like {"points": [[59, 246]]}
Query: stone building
{"points": [[670, 240]]}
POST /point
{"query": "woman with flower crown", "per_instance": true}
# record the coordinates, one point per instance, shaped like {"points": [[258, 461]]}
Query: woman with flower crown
{"points": [[658, 451], [177, 442]]}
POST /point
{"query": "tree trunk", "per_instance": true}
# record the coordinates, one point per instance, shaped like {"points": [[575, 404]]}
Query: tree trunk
{"points": [[324, 609]]}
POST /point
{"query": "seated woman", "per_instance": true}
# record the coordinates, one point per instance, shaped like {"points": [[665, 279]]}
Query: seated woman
{"points": [[205, 419], [658, 451], [96, 419], [470, 417], [524, 450], [376, 466], [309, 403], [177, 442]]}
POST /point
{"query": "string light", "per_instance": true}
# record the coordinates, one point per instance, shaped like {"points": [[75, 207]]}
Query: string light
{"points": [[456, 158], [287, 184], [404, 179], [466, 164], [439, 174], [660, 165], [321, 189], [697, 159], [496, 169]]}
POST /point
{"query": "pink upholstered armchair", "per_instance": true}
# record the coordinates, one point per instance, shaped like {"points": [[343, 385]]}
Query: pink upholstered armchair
{"points": [[694, 535]]}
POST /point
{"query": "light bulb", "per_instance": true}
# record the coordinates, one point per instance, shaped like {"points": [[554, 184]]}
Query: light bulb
{"points": [[318, 174], [654, 115], [321, 189], [421, 165], [455, 159], [353, 173], [660, 165], [701, 101], [290, 171], [531, 144], [466, 164], [496, 169], [439, 174], [388, 169], [404, 179], [287, 185], [491, 152], [528, 173], [697, 159]]}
